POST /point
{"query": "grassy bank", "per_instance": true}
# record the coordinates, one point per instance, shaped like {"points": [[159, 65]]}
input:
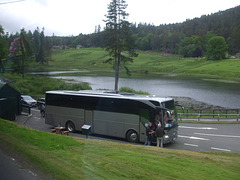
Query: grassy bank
{"points": [[146, 64], [38, 85], [66, 157]]}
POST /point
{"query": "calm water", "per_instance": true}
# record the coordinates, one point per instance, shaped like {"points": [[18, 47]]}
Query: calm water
{"points": [[211, 92]]}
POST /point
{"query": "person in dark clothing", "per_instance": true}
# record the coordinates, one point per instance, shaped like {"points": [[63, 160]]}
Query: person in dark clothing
{"points": [[149, 133], [159, 133], [158, 118]]}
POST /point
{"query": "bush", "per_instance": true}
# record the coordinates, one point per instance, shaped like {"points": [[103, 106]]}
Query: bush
{"points": [[127, 89], [38, 85], [216, 48]]}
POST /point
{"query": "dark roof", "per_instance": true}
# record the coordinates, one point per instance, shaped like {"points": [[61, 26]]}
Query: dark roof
{"points": [[2, 84], [6, 89]]}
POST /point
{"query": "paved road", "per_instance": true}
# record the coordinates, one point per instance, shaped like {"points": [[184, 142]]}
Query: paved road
{"points": [[209, 137], [193, 137], [11, 170]]}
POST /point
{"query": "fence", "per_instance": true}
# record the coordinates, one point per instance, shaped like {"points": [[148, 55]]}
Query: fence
{"points": [[26, 109], [210, 114]]}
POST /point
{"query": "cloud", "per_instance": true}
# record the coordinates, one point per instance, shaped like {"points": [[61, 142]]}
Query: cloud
{"points": [[72, 17]]}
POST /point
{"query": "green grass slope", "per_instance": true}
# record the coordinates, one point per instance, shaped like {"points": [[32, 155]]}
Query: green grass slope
{"points": [[148, 63], [65, 157]]}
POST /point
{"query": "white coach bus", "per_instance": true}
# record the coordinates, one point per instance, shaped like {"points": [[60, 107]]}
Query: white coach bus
{"points": [[123, 115]]}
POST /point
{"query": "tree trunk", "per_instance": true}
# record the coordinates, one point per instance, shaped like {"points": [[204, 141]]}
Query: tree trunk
{"points": [[117, 63]]}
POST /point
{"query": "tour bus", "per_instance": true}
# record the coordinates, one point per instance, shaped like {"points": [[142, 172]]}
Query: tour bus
{"points": [[117, 114]]}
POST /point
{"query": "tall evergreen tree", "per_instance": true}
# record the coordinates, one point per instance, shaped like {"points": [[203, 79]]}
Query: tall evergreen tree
{"points": [[20, 51], [36, 43], [3, 48], [40, 55], [119, 40]]}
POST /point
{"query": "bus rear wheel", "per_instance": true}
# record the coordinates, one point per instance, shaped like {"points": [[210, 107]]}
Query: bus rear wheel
{"points": [[132, 136], [70, 126]]}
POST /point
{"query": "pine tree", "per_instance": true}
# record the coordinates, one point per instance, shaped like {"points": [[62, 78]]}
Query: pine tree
{"points": [[119, 41]]}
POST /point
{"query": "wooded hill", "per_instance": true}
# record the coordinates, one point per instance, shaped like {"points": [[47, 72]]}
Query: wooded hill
{"points": [[170, 38]]}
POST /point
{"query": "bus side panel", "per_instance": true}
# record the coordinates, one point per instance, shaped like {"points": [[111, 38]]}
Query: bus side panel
{"points": [[60, 115], [142, 136], [114, 124]]}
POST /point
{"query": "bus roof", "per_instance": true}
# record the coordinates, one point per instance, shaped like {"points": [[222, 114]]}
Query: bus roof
{"points": [[111, 94]]}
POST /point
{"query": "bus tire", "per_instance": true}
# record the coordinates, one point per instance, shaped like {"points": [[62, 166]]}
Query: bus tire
{"points": [[132, 136], [70, 126]]}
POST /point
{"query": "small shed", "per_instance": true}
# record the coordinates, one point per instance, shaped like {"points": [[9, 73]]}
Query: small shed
{"points": [[10, 102]]}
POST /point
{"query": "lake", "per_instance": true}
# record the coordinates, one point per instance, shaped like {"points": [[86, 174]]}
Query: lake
{"points": [[207, 91]]}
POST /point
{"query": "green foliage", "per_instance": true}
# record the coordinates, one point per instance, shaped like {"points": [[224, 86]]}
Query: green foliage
{"points": [[3, 45], [119, 41], [147, 64], [191, 47], [216, 48], [82, 40], [38, 85], [20, 52], [127, 89], [144, 43], [41, 45]]}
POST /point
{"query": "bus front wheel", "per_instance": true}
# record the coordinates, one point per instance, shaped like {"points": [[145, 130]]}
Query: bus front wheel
{"points": [[70, 126], [132, 136]]}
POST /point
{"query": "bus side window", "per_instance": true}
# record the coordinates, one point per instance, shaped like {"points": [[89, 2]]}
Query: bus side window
{"points": [[144, 117]]}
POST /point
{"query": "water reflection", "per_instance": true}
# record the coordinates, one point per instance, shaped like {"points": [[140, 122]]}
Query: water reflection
{"points": [[56, 72], [211, 92]]}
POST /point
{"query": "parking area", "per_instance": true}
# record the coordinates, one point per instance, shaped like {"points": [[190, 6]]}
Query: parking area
{"points": [[35, 121]]}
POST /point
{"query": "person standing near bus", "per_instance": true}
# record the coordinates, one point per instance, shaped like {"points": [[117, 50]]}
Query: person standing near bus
{"points": [[158, 118], [159, 133], [149, 133]]}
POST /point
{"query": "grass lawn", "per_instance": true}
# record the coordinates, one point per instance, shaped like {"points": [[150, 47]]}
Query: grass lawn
{"points": [[151, 63], [65, 157], [37, 85], [146, 64]]}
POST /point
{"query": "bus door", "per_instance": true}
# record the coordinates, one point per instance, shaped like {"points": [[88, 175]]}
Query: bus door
{"points": [[159, 117], [143, 123], [88, 117]]}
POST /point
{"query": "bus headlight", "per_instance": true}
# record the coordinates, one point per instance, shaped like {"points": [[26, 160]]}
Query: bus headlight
{"points": [[166, 136]]}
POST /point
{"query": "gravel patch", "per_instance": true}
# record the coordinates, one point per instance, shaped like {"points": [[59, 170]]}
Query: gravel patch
{"points": [[193, 104]]}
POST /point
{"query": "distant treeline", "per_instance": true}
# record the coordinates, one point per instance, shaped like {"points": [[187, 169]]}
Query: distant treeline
{"points": [[188, 39], [173, 38]]}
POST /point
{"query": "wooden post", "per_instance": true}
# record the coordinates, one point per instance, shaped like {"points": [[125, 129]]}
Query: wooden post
{"points": [[180, 116]]}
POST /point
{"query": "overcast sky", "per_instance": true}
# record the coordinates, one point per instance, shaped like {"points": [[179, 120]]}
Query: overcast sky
{"points": [[72, 17]]}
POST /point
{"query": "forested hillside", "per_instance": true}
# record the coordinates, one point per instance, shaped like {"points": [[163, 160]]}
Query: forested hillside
{"points": [[192, 38], [172, 38]]}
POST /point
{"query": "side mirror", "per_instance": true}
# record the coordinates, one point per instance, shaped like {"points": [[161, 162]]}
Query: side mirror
{"points": [[181, 107]]}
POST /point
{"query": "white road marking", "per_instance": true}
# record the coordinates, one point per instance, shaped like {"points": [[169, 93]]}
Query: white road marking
{"points": [[192, 137], [220, 149], [193, 145], [219, 135], [202, 128]]}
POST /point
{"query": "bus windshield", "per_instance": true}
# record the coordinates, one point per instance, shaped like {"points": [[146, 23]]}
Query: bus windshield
{"points": [[170, 114]]}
